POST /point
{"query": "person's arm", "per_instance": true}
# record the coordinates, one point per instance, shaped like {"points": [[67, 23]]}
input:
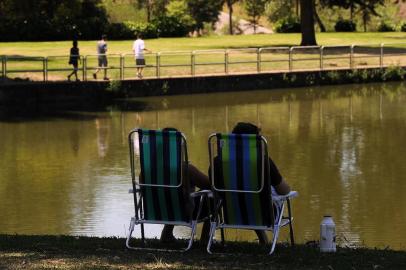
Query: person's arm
{"points": [[283, 188], [200, 179], [280, 185]]}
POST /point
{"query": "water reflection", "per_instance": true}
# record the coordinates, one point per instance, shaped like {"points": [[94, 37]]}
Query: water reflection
{"points": [[341, 147]]}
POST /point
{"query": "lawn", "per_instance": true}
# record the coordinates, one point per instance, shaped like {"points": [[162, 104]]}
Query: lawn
{"points": [[69, 252], [176, 59], [58, 48]]}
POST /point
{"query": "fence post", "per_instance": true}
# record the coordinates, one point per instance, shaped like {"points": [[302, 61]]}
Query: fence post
{"points": [[45, 68], [352, 56], [226, 62], [192, 62], [158, 65], [259, 50], [85, 68], [381, 56], [290, 59], [3, 67], [321, 57], [121, 67]]}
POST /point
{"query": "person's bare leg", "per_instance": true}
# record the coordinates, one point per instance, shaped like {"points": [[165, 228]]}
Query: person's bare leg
{"points": [[262, 237], [167, 234], [204, 236], [105, 73]]}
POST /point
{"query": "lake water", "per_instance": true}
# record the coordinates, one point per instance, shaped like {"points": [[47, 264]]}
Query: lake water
{"points": [[341, 147]]}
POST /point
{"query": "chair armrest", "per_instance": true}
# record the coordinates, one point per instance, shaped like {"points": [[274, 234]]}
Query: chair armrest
{"points": [[204, 192], [290, 195], [137, 189], [132, 190]]}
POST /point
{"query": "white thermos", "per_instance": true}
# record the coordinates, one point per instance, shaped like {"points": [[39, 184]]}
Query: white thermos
{"points": [[327, 235]]}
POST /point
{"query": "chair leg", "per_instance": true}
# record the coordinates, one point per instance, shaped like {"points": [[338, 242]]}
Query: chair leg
{"points": [[213, 226], [130, 231], [274, 239], [292, 239], [276, 228], [192, 235]]}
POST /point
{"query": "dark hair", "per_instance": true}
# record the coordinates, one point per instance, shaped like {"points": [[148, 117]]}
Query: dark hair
{"points": [[139, 35], [104, 36], [169, 129], [246, 128], [75, 43]]}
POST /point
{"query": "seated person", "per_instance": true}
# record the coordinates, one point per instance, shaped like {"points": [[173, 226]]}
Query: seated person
{"points": [[197, 179], [280, 186]]}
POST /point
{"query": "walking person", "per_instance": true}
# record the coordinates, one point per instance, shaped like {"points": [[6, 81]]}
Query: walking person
{"points": [[101, 57], [139, 48], [74, 58]]}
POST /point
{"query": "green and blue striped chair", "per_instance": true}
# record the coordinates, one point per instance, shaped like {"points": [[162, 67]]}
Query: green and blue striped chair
{"points": [[162, 194], [240, 178]]}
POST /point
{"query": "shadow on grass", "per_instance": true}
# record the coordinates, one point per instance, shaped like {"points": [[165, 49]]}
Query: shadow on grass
{"points": [[96, 253]]}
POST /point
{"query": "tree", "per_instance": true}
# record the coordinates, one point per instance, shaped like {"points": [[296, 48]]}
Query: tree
{"points": [[307, 23], [51, 20], [154, 8], [318, 20], [230, 4], [255, 9], [204, 11], [365, 7]]}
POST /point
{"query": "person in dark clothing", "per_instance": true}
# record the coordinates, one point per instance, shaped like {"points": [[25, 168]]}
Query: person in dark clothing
{"points": [[279, 185], [196, 179], [74, 58]]}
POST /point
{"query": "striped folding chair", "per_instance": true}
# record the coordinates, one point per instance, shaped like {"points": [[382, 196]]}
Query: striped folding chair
{"points": [[161, 193], [241, 181]]}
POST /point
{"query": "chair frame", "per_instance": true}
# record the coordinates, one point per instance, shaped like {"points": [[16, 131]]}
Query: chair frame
{"points": [[278, 219], [138, 218]]}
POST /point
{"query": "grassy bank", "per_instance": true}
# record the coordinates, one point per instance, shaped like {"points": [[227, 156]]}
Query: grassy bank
{"points": [[207, 62], [68, 252], [201, 43]]}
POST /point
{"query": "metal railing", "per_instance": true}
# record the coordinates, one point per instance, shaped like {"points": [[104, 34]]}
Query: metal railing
{"points": [[211, 62]]}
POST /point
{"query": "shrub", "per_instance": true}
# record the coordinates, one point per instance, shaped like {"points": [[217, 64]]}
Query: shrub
{"points": [[393, 73], [403, 27], [288, 25], [119, 31], [345, 26], [385, 27], [171, 26], [148, 30]]}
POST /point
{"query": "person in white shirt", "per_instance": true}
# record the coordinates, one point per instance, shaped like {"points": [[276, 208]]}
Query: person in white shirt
{"points": [[139, 48]]}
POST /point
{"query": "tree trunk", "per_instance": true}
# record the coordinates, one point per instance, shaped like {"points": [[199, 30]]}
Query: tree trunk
{"points": [[307, 23], [297, 8], [148, 12], [319, 22], [351, 11], [230, 14]]}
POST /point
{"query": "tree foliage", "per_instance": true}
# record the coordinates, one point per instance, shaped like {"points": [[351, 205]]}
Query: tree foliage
{"points": [[255, 9], [204, 11], [52, 20], [154, 8]]}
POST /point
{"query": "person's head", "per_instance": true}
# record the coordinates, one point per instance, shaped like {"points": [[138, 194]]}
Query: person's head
{"points": [[169, 129], [246, 128], [104, 37], [75, 43], [139, 36]]}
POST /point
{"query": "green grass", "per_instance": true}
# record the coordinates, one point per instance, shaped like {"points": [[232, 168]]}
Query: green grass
{"points": [[57, 54], [201, 43], [68, 252]]}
